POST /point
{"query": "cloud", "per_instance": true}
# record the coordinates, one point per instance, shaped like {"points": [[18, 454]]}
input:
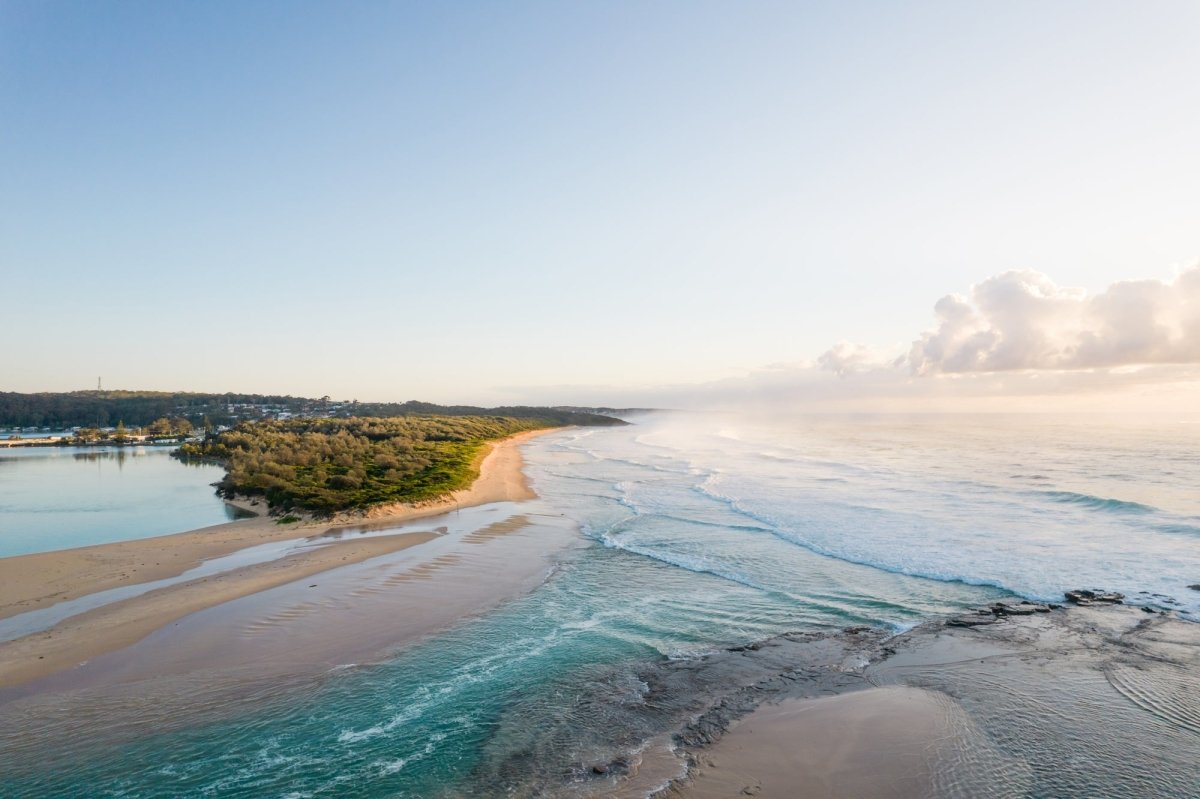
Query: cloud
{"points": [[882, 388], [1023, 320], [1016, 342], [846, 358]]}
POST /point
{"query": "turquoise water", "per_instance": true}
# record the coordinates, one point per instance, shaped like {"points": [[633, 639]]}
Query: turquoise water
{"points": [[702, 532], [480, 709], [62, 497]]}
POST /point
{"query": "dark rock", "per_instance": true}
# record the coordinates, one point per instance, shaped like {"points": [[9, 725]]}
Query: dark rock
{"points": [[1195, 586], [1147, 610], [971, 621], [600, 768], [754, 647], [1025, 608], [1084, 596]]}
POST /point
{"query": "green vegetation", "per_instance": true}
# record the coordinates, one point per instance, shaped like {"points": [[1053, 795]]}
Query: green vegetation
{"points": [[560, 416], [159, 430], [169, 427], [139, 408], [89, 435], [328, 465]]}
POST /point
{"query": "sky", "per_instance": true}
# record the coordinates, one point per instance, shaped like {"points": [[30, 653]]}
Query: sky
{"points": [[861, 205]]}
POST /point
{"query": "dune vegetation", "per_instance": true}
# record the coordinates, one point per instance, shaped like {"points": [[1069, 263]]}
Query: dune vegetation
{"points": [[327, 465]]}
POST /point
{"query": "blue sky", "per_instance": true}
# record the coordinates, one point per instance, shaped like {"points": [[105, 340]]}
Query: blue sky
{"points": [[549, 202]]}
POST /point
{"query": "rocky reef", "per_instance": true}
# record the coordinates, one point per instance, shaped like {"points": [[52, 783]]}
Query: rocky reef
{"points": [[1042, 700]]}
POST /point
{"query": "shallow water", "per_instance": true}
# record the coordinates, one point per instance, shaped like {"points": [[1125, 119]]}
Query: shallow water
{"points": [[44, 618], [1091, 702], [62, 497], [700, 532]]}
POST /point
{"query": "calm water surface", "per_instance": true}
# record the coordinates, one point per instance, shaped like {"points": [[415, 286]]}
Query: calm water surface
{"points": [[62, 497]]}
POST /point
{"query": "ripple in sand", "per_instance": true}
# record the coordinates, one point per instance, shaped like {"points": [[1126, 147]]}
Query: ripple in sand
{"points": [[1171, 693]]}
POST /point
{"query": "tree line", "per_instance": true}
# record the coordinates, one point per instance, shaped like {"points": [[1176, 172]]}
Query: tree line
{"points": [[558, 415], [106, 408], [138, 408]]}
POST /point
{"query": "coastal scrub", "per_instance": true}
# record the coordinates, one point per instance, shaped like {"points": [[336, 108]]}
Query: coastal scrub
{"points": [[328, 465]]}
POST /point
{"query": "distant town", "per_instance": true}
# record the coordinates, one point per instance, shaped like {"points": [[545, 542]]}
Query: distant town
{"points": [[191, 421]]}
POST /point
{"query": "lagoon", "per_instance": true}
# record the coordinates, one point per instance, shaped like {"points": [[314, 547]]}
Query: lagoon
{"points": [[62, 497]]}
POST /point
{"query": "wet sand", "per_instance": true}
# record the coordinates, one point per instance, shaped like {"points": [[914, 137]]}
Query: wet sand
{"points": [[286, 641], [355, 613], [36, 581], [873, 743], [1077, 702]]}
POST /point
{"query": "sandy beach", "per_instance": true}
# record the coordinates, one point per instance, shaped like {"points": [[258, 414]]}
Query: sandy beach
{"points": [[874, 743], [36, 581]]}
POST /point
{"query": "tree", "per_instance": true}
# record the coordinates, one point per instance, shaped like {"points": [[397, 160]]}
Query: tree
{"points": [[120, 436], [160, 427]]}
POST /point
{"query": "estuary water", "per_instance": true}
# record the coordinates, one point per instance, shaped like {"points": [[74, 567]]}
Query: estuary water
{"points": [[698, 532], [62, 497]]}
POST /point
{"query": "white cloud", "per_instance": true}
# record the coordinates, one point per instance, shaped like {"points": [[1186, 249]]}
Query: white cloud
{"points": [[1023, 320], [846, 358], [1016, 342]]}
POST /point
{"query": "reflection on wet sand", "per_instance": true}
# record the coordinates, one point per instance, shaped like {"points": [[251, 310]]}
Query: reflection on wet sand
{"points": [[496, 529], [216, 661]]}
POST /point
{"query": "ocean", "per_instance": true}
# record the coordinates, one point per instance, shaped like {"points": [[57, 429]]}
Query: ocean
{"points": [[697, 532]]}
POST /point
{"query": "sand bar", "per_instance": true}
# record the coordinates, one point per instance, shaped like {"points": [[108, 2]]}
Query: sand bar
{"points": [[29, 582], [288, 640], [872, 743]]}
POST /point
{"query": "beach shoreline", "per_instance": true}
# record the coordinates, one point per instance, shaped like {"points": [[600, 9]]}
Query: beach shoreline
{"points": [[41, 580]]}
